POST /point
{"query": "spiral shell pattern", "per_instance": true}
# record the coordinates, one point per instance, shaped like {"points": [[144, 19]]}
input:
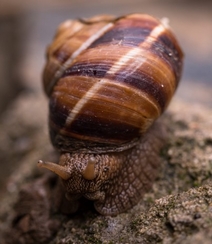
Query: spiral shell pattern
{"points": [[108, 80]]}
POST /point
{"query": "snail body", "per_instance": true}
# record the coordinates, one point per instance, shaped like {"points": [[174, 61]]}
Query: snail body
{"points": [[108, 79]]}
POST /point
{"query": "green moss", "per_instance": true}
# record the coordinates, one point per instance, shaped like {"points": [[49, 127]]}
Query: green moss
{"points": [[133, 226], [93, 239]]}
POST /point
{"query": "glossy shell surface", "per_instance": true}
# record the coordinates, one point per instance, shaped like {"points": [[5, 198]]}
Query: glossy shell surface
{"points": [[108, 80]]}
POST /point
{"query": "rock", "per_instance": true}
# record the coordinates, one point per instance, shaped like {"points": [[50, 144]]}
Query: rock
{"points": [[176, 210]]}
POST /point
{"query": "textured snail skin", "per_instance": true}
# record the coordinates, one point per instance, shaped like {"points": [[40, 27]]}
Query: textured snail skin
{"points": [[120, 178], [108, 79]]}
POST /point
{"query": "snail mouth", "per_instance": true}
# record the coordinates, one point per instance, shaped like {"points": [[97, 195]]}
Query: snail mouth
{"points": [[93, 195], [96, 195]]}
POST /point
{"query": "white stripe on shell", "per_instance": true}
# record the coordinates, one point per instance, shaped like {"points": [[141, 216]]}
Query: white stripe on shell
{"points": [[85, 45], [114, 69], [79, 105], [155, 33], [137, 52], [127, 58]]}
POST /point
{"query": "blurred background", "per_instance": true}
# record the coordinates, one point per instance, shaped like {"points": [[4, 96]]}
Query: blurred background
{"points": [[27, 27]]}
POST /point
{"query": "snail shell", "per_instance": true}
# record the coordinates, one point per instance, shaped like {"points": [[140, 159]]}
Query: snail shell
{"points": [[108, 79]]}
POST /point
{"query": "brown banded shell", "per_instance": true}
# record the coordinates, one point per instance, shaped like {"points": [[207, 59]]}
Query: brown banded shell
{"points": [[108, 80]]}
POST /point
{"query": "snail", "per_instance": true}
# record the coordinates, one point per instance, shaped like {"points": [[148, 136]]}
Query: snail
{"points": [[108, 79]]}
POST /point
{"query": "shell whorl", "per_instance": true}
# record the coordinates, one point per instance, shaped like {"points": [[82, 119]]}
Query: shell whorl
{"points": [[108, 79]]}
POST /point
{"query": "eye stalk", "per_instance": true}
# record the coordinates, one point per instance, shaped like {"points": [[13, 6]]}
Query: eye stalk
{"points": [[56, 168], [89, 171]]}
